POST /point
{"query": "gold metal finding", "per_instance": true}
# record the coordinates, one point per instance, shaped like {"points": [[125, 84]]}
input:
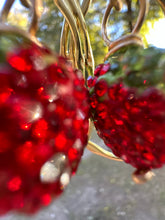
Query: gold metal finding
{"points": [[143, 176], [132, 38], [77, 46], [26, 3], [37, 9], [96, 149], [65, 8], [5, 10], [33, 5], [7, 29]]}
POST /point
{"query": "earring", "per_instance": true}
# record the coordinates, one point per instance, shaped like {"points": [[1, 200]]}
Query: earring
{"points": [[127, 97], [44, 113]]}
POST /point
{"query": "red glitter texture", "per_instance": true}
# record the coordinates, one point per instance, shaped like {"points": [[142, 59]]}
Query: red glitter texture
{"points": [[132, 124], [41, 107]]}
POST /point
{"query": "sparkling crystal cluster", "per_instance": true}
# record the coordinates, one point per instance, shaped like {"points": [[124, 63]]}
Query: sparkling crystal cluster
{"points": [[43, 126], [127, 100]]}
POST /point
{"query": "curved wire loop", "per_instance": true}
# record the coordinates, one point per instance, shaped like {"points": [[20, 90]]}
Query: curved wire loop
{"points": [[65, 31], [162, 4], [5, 10], [8, 30], [35, 7], [132, 38], [76, 47], [26, 3], [94, 148]]}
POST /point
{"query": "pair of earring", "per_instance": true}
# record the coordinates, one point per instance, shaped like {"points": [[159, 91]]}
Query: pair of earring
{"points": [[45, 106]]}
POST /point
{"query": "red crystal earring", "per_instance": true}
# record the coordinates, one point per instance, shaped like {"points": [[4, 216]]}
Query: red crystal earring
{"points": [[44, 115], [127, 99]]}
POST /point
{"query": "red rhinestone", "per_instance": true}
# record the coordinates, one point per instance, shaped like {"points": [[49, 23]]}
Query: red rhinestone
{"points": [[60, 141], [97, 70], [40, 128], [20, 61], [91, 81], [101, 69], [105, 68], [93, 101], [73, 154], [46, 199], [101, 88], [14, 184]]}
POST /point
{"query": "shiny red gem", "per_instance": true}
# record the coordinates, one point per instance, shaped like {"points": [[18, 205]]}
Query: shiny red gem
{"points": [[43, 102]]}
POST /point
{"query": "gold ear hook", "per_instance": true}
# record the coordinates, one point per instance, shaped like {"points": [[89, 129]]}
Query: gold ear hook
{"points": [[37, 9], [94, 148], [26, 3], [5, 10], [117, 4], [132, 38], [89, 61], [34, 5], [67, 43], [64, 7], [8, 30], [65, 30]]}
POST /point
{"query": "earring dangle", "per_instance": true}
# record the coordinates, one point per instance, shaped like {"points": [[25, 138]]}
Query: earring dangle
{"points": [[127, 97], [44, 113]]}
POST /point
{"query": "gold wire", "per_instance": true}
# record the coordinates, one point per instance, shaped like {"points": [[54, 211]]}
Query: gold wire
{"points": [[5, 10], [129, 39], [96, 149], [79, 13], [142, 13], [64, 7], [65, 30], [37, 9], [26, 3], [124, 41], [7, 29], [34, 5], [112, 3], [89, 61]]}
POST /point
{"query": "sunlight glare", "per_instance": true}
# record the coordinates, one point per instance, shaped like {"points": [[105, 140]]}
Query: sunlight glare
{"points": [[156, 35]]}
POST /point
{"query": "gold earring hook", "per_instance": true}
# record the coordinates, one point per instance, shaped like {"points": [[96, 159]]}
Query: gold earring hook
{"points": [[37, 9], [8, 30], [78, 12], [34, 5], [64, 40], [133, 37], [26, 3], [89, 61], [118, 6], [65, 29], [5, 10], [64, 7]]}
